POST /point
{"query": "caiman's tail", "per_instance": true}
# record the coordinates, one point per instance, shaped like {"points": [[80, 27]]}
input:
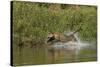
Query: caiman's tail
{"points": [[76, 31]]}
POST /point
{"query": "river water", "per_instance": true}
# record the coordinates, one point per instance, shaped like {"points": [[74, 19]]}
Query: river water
{"points": [[57, 53]]}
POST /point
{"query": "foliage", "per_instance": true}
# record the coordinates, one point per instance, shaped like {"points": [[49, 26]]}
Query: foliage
{"points": [[33, 21]]}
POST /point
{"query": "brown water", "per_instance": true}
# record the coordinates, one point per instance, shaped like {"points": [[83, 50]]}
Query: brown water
{"points": [[42, 54]]}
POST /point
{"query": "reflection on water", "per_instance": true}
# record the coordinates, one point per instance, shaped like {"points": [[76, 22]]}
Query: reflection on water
{"points": [[58, 53]]}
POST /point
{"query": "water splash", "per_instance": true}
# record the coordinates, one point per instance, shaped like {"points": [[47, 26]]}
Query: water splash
{"points": [[71, 45], [81, 44]]}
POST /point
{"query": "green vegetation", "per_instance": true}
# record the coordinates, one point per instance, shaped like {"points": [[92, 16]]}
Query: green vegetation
{"points": [[32, 21]]}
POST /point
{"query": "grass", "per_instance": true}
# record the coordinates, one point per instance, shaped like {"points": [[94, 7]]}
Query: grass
{"points": [[31, 22]]}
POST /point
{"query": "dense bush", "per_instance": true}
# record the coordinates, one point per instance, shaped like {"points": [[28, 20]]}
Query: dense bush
{"points": [[32, 21]]}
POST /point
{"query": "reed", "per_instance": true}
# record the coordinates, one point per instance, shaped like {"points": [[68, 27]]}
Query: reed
{"points": [[32, 22]]}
